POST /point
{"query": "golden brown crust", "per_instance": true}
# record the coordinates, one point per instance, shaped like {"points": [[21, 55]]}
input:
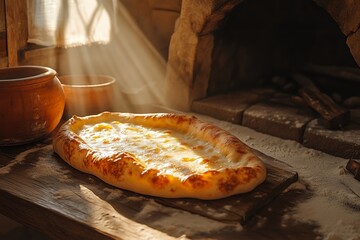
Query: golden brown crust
{"points": [[125, 170]]}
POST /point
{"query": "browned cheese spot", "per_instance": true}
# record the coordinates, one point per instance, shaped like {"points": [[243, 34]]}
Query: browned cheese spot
{"points": [[234, 143], [240, 150], [228, 184], [205, 127], [69, 148], [66, 148], [197, 181], [246, 174], [185, 144], [115, 166], [205, 161], [199, 147], [239, 176], [159, 181], [88, 160], [215, 134], [179, 120], [155, 150]]}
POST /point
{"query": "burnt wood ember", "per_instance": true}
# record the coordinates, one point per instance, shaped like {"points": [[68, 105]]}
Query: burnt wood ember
{"points": [[346, 73], [334, 115], [353, 166]]}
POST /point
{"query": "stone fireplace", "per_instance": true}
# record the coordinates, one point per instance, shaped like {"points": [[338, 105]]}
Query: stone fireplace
{"points": [[193, 44], [228, 59]]}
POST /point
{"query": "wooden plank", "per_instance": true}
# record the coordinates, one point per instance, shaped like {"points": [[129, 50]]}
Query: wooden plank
{"points": [[3, 52], [11, 205], [2, 16], [40, 190], [16, 27]]}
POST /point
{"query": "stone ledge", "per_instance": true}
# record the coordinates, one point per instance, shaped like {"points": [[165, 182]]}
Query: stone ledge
{"points": [[277, 120], [344, 143], [230, 107]]}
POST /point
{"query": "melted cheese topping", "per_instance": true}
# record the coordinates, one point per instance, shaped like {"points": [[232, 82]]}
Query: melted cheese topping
{"points": [[168, 151]]}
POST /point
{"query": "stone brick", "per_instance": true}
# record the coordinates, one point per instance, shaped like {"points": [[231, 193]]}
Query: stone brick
{"points": [[344, 143], [278, 120], [230, 107]]}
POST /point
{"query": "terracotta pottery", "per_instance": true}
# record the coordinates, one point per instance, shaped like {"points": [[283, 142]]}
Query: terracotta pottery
{"points": [[31, 103], [88, 94]]}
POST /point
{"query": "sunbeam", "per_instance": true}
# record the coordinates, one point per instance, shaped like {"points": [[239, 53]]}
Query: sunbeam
{"points": [[129, 57]]}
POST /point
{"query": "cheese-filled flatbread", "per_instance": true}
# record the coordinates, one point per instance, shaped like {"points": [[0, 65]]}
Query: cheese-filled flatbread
{"points": [[164, 154]]}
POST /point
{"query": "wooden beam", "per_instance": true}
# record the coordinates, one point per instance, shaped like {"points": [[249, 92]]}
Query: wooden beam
{"points": [[335, 116], [347, 73], [16, 27]]}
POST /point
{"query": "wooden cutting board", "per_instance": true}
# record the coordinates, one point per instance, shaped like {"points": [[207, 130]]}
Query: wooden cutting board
{"points": [[242, 207], [24, 167]]}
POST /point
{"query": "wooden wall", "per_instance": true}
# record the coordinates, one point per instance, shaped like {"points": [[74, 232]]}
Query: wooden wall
{"points": [[156, 18], [2, 31]]}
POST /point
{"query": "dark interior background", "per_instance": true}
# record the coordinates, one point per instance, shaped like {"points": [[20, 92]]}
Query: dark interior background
{"points": [[260, 39]]}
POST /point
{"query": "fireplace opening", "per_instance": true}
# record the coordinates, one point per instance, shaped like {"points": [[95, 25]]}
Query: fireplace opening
{"points": [[285, 68], [259, 40]]}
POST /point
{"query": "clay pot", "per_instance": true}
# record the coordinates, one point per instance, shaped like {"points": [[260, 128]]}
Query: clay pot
{"points": [[31, 103], [88, 94]]}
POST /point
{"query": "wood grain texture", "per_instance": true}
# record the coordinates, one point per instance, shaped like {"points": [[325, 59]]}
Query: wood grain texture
{"points": [[16, 27], [40, 190]]}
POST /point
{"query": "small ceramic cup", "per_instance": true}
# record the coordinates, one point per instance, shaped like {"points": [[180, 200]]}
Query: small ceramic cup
{"points": [[87, 94]]}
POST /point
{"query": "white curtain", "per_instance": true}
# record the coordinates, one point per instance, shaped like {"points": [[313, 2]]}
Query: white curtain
{"points": [[67, 23]]}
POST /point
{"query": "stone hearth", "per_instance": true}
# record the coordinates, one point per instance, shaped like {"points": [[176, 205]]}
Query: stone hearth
{"points": [[273, 113]]}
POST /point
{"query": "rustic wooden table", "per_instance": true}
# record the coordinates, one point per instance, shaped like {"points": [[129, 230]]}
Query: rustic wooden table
{"points": [[41, 191]]}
